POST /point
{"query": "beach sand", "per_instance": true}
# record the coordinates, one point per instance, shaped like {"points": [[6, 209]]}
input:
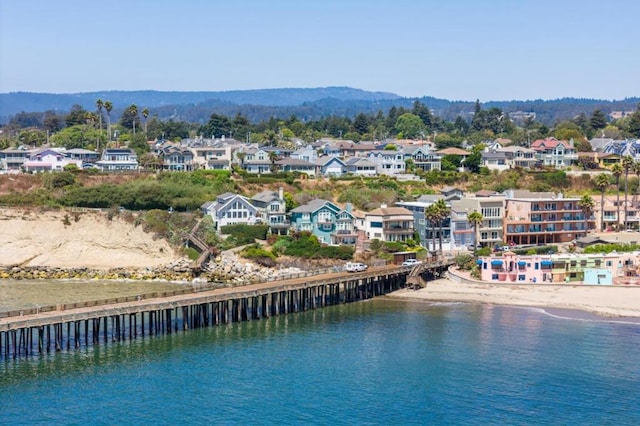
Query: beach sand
{"points": [[608, 301]]}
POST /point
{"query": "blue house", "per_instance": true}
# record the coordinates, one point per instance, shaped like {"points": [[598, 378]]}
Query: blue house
{"points": [[325, 220]]}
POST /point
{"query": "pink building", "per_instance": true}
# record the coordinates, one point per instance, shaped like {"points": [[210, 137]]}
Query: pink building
{"points": [[602, 269]]}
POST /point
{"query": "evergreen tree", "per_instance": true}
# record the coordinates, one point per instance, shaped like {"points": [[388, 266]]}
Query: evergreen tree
{"points": [[598, 120]]}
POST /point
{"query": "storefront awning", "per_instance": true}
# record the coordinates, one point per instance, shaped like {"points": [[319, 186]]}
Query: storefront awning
{"points": [[496, 263], [522, 263], [546, 263]]}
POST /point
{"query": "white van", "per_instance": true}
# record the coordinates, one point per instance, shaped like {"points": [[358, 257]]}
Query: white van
{"points": [[355, 267]]}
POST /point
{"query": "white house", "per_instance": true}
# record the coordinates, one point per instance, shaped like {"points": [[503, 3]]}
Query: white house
{"points": [[231, 209]]}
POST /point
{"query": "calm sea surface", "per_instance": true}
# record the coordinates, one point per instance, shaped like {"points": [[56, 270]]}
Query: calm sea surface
{"points": [[375, 362]]}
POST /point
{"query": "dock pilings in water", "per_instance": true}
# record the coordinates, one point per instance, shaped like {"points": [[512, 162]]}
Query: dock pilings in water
{"points": [[74, 329]]}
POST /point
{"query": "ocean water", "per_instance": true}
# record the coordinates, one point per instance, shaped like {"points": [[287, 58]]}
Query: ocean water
{"points": [[374, 362]]}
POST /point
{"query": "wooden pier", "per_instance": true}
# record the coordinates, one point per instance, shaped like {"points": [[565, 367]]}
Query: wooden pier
{"points": [[83, 327]]}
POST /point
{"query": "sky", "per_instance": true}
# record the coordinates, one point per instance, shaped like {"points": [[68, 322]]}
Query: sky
{"points": [[451, 49]]}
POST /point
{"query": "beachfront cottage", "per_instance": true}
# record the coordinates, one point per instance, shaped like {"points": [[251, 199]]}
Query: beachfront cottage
{"points": [[118, 159], [231, 209], [593, 269], [49, 160]]}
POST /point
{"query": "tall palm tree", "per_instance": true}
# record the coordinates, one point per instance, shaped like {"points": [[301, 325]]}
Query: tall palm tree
{"points": [[602, 183], [99, 105], [108, 106], [586, 204], [617, 170], [431, 215], [145, 114], [133, 110], [636, 170], [443, 212], [627, 164], [475, 218]]}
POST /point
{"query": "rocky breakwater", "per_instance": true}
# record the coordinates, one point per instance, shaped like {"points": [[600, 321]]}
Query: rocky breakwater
{"points": [[228, 268], [178, 271]]}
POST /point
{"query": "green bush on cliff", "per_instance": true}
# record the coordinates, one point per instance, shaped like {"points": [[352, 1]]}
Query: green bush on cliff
{"points": [[241, 234]]}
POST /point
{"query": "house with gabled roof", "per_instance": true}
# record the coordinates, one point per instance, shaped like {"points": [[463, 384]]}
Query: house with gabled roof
{"points": [[331, 166], [327, 221], [272, 210], [555, 153], [361, 166], [176, 158], [424, 157], [306, 153], [14, 158], [48, 160], [231, 209], [388, 162]]}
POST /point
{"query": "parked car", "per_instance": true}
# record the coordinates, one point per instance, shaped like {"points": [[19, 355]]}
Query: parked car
{"points": [[355, 267], [411, 262]]}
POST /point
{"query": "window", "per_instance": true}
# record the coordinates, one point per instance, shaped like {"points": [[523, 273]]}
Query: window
{"points": [[521, 277], [494, 276], [609, 263], [536, 266]]}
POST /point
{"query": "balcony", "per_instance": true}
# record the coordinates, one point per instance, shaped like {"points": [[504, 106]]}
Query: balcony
{"points": [[280, 225]]}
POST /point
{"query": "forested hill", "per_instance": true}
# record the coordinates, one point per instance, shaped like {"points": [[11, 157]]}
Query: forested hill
{"points": [[306, 104]]}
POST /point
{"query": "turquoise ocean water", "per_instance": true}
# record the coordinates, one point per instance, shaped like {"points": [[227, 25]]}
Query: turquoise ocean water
{"points": [[374, 362]]}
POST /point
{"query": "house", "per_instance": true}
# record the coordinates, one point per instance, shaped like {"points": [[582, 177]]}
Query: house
{"points": [[255, 160], [554, 153], [388, 162], [217, 157], [327, 221], [306, 153], [231, 209], [118, 159], [331, 166], [87, 157], [606, 217], [272, 210], [361, 166], [429, 234], [48, 160], [14, 158], [424, 158], [389, 224], [509, 157], [294, 165], [175, 158], [490, 231]]}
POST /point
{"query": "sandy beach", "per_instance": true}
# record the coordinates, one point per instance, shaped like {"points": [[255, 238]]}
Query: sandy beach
{"points": [[609, 301]]}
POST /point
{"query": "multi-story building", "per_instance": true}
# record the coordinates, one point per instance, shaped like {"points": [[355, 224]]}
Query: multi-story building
{"points": [[231, 209], [554, 153], [14, 158], [325, 220], [272, 210], [118, 159], [543, 218], [490, 231], [389, 224], [606, 218], [48, 160], [388, 162]]}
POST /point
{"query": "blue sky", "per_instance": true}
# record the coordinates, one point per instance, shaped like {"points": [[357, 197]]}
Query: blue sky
{"points": [[453, 49]]}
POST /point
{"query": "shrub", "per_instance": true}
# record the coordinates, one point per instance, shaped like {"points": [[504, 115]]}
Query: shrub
{"points": [[259, 255], [244, 234]]}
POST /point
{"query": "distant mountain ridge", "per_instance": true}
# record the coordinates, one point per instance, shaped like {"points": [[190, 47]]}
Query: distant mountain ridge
{"points": [[306, 104]]}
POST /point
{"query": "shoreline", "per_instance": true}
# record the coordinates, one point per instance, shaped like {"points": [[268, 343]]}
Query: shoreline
{"points": [[605, 302]]}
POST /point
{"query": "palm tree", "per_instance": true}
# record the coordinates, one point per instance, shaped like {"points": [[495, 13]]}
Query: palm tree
{"points": [[443, 212], [145, 114], [586, 204], [273, 157], [108, 106], [602, 183], [431, 215], [636, 170], [99, 105], [627, 164], [617, 171], [133, 110], [475, 218]]}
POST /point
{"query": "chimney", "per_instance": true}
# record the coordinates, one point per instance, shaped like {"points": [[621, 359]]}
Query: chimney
{"points": [[383, 206], [348, 207], [280, 194]]}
